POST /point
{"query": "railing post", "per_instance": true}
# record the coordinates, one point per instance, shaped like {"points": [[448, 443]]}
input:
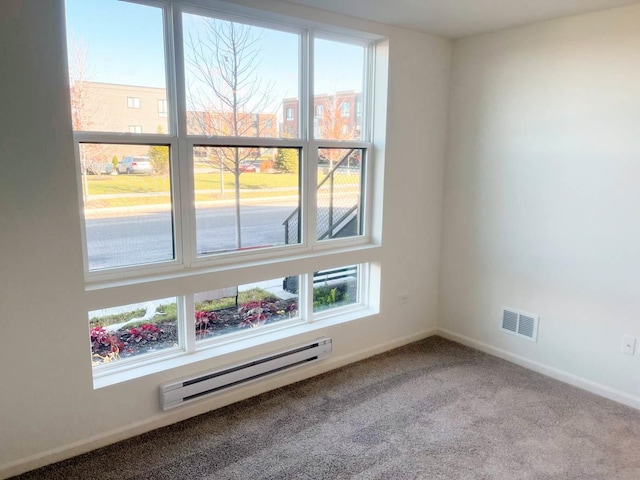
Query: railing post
{"points": [[286, 232], [330, 231]]}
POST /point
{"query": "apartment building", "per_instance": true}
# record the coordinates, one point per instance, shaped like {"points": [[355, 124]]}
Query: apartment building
{"points": [[336, 116]]}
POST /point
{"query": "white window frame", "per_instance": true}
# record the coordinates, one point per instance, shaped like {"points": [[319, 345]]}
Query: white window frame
{"points": [[105, 286], [133, 102]]}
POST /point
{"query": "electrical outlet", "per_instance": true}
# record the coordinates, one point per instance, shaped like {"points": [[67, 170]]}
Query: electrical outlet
{"points": [[403, 298], [628, 344]]}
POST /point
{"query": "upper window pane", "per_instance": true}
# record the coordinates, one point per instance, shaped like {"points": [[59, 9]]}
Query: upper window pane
{"points": [[338, 86], [116, 66], [238, 77]]}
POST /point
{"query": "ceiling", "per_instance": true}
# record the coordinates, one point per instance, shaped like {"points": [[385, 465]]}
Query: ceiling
{"points": [[459, 18]]}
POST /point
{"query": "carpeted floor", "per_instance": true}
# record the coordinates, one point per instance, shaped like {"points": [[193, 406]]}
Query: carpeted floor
{"points": [[430, 410]]}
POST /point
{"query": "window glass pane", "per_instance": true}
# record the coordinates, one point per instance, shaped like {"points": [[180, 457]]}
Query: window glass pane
{"points": [[234, 309], [238, 77], [246, 197], [117, 74], [127, 204], [339, 193], [335, 288], [132, 330], [338, 86]]}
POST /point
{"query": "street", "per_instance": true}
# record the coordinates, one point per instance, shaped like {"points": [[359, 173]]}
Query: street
{"points": [[148, 237]]}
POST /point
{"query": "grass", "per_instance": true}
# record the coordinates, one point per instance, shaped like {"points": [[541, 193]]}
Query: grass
{"points": [[126, 189], [116, 318], [123, 184], [253, 294]]}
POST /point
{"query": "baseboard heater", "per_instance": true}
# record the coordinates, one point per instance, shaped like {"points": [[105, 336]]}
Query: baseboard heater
{"points": [[175, 394]]}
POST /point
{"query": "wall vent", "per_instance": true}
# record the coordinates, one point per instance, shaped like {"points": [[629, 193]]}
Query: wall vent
{"points": [[175, 394], [520, 323]]}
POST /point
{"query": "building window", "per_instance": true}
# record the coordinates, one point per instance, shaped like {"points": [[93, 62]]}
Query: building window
{"points": [[133, 102], [358, 109], [345, 109], [226, 210], [162, 108]]}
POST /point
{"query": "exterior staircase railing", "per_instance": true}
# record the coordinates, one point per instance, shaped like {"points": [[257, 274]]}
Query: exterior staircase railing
{"points": [[338, 204]]}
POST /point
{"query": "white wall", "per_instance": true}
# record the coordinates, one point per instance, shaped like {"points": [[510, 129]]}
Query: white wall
{"points": [[542, 196], [48, 407]]}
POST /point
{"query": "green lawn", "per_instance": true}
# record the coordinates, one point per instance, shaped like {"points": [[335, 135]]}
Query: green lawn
{"points": [[207, 186], [119, 184]]}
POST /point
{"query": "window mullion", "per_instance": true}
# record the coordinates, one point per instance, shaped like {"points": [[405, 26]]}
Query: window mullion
{"points": [[311, 154], [306, 299], [183, 165], [186, 322]]}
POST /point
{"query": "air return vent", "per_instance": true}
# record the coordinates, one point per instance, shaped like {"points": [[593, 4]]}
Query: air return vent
{"points": [[190, 389], [519, 323]]}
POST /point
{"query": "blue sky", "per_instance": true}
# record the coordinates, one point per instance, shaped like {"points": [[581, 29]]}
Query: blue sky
{"points": [[125, 45]]}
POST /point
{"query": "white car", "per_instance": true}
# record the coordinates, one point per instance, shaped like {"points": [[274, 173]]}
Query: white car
{"points": [[134, 165]]}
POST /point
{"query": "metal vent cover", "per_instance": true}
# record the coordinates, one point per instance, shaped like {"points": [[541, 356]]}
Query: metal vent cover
{"points": [[521, 324]]}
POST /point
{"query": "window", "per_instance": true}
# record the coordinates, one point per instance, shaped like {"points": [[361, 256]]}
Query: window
{"points": [[338, 87], [162, 108], [233, 310], [345, 108], [133, 102], [219, 183], [358, 109]]}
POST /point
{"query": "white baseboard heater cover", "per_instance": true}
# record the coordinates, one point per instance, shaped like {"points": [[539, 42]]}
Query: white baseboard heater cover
{"points": [[175, 394]]}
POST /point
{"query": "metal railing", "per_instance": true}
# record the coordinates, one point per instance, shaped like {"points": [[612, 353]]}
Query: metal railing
{"points": [[338, 203]]}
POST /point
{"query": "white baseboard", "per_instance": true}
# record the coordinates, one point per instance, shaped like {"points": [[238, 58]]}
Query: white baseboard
{"points": [[235, 395], [561, 375]]}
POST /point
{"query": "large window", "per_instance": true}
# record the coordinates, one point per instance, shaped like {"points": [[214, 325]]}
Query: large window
{"points": [[215, 145]]}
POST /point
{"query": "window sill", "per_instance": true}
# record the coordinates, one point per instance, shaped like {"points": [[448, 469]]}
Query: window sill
{"points": [[219, 349]]}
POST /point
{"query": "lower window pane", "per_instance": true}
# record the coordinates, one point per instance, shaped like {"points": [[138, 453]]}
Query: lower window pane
{"points": [[340, 175], [246, 197], [133, 330], [234, 309], [127, 204], [335, 288]]}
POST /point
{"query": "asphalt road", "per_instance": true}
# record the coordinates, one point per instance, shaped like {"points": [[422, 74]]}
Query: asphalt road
{"points": [[147, 238]]}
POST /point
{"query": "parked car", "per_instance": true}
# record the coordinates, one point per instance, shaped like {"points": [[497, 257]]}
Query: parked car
{"points": [[96, 167], [134, 165], [248, 167]]}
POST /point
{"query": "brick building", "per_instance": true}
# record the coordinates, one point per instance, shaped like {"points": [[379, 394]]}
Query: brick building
{"points": [[336, 116]]}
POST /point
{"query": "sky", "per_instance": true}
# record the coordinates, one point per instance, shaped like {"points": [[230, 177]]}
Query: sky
{"points": [[124, 45]]}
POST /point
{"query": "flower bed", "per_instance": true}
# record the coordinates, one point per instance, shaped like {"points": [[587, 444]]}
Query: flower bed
{"points": [[128, 341]]}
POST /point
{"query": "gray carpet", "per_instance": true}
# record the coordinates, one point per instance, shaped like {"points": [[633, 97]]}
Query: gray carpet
{"points": [[430, 410]]}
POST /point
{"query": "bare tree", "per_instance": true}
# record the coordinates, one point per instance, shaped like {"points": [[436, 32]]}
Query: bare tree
{"points": [[84, 108], [334, 122], [226, 95]]}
